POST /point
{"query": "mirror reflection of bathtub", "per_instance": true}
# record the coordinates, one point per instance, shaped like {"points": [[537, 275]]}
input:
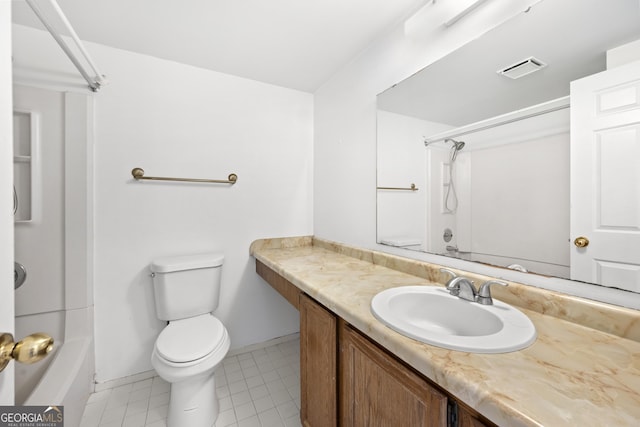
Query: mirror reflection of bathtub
{"points": [[505, 197], [51, 176]]}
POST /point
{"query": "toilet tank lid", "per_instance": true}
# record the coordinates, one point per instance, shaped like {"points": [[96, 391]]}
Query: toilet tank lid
{"points": [[186, 262]]}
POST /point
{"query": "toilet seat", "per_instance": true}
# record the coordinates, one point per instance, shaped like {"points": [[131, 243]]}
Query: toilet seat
{"points": [[191, 339]]}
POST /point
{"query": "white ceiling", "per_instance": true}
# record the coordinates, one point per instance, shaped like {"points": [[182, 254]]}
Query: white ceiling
{"points": [[571, 36], [297, 44]]}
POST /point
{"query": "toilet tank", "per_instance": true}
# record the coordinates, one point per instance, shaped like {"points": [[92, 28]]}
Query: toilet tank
{"points": [[187, 285]]}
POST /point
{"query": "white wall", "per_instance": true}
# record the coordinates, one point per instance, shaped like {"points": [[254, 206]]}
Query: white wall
{"points": [[345, 114], [177, 120], [401, 160], [6, 199], [624, 54], [400, 163]]}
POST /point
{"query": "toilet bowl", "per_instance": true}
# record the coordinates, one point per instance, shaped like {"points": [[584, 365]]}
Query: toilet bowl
{"points": [[186, 355], [193, 344]]}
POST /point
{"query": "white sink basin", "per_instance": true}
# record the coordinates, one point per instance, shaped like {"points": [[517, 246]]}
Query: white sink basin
{"points": [[431, 315]]}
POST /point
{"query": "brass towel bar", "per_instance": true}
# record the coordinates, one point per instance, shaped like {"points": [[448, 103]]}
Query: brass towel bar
{"points": [[138, 173], [412, 188]]}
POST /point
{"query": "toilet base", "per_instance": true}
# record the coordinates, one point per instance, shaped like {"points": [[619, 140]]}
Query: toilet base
{"points": [[193, 403]]}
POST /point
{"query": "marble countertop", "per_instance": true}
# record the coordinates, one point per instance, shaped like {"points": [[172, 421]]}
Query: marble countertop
{"points": [[583, 369]]}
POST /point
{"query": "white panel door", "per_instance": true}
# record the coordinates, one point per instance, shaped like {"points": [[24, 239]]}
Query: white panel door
{"points": [[6, 211], [605, 177]]}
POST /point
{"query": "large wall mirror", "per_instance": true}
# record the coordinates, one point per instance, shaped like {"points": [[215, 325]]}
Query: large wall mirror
{"points": [[521, 149]]}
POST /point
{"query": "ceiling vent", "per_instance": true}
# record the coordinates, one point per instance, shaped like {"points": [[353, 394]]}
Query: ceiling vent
{"points": [[522, 68]]}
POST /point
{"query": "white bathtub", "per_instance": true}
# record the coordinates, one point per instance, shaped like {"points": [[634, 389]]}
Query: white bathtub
{"points": [[68, 380]]}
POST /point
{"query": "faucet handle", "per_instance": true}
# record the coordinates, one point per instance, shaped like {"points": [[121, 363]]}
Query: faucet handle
{"points": [[455, 289], [484, 293]]}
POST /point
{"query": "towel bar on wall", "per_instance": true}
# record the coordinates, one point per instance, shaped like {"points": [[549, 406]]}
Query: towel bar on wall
{"points": [[412, 188], [138, 173]]}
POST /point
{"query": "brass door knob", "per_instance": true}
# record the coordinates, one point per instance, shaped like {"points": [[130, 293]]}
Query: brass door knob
{"points": [[581, 242], [29, 350]]}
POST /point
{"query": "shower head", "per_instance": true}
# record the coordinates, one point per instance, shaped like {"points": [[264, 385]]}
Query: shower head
{"points": [[457, 144]]}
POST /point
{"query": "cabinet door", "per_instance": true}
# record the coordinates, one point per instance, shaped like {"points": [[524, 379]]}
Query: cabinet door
{"points": [[377, 390], [318, 366], [467, 418]]}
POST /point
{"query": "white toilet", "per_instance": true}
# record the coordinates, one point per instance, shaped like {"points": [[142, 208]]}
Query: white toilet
{"points": [[193, 344]]}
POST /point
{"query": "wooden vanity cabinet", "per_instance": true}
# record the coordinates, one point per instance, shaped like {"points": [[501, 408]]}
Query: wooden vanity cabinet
{"points": [[318, 364], [377, 390], [467, 418], [348, 380], [288, 290]]}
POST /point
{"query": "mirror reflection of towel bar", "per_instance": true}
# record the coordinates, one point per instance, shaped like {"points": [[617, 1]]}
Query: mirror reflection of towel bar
{"points": [[412, 188], [138, 174]]}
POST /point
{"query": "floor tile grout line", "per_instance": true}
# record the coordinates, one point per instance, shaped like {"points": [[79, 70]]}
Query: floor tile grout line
{"points": [[280, 364]]}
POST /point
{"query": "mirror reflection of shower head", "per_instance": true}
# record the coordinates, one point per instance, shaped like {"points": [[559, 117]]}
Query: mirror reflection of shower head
{"points": [[457, 144]]}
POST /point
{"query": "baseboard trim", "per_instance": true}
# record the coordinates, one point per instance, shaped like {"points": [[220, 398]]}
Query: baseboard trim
{"points": [[125, 380], [150, 374], [260, 345]]}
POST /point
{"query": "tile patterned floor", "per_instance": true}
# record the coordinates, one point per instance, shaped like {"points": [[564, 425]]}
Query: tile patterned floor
{"points": [[260, 388]]}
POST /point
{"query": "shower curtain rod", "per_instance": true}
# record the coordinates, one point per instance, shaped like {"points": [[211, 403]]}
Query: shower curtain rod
{"points": [[514, 116], [96, 82]]}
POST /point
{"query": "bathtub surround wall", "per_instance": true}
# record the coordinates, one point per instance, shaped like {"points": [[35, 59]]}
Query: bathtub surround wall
{"points": [[57, 249], [39, 243], [532, 180], [176, 120]]}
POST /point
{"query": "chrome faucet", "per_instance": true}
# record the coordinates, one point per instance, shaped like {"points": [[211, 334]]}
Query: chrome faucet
{"points": [[462, 287], [459, 286], [453, 275]]}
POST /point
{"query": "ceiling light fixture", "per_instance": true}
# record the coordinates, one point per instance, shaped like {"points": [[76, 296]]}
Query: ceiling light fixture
{"points": [[470, 7]]}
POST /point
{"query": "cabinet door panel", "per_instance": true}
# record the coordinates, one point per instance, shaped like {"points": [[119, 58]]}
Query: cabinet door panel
{"points": [[376, 390], [318, 364], [467, 419]]}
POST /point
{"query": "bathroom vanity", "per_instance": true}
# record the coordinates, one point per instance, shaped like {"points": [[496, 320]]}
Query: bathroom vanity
{"points": [[584, 367], [339, 366]]}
